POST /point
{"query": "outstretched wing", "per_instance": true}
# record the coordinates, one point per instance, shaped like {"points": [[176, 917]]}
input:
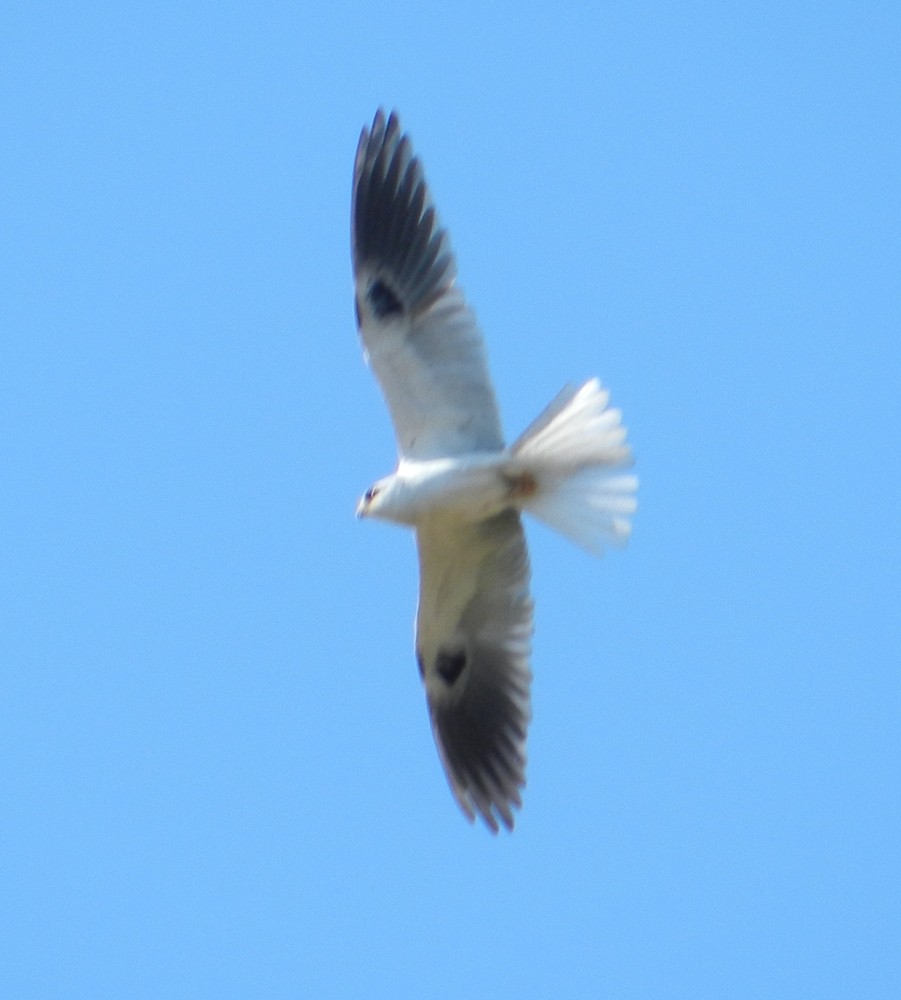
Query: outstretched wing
{"points": [[473, 637], [420, 337]]}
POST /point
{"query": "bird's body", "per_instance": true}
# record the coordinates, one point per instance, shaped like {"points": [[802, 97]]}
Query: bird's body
{"points": [[465, 488], [458, 485]]}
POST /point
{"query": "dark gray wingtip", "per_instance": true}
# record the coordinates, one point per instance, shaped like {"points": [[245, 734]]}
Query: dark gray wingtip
{"points": [[481, 739], [395, 234]]}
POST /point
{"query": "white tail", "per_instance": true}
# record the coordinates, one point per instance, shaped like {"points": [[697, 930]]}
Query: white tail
{"points": [[569, 463]]}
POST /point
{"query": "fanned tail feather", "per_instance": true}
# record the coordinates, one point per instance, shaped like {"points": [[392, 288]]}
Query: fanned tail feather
{"points": [[568, 467]]}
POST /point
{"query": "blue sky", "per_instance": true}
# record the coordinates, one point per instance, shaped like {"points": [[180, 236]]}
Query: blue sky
{"points": [[216, 768]]}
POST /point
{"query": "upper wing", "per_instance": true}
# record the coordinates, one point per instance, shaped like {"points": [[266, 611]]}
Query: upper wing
{"points": [[420, 337], [473, 633]]}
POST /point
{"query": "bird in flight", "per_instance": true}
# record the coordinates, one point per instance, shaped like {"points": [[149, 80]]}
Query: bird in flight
{"points": [[456, 483]]}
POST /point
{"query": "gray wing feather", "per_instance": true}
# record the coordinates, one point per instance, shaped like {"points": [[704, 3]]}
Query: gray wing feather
{"points": [[420, 337], [474, 629]]}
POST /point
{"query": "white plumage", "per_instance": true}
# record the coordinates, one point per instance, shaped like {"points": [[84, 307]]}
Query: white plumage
{"points": [[458, 486]]}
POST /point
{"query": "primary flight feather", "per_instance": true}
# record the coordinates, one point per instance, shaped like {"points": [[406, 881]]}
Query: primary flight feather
{"points": [[457, 484]]}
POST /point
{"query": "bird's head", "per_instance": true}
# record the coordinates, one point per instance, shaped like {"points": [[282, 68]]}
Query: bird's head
{"points": [[373, 501]]}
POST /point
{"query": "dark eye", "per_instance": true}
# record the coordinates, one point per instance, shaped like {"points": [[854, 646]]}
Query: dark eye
{"points": [[371, 494]]}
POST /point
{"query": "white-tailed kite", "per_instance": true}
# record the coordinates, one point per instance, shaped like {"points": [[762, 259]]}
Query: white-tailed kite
{"points": [[457, 484]]}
